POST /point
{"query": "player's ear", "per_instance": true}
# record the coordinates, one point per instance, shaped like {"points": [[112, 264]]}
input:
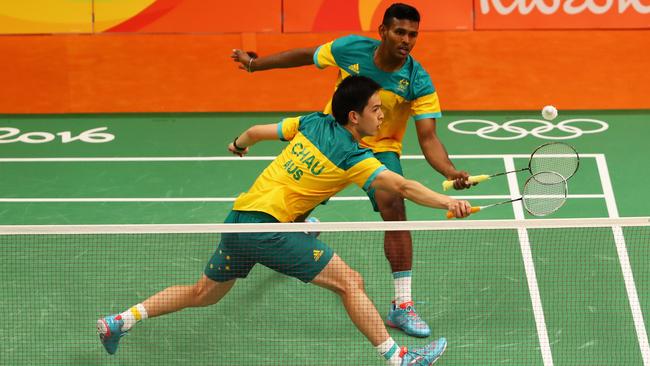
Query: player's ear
{"points": [[382, 31], [353, 118]]}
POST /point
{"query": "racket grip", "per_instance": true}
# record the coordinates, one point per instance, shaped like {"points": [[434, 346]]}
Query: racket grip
{"points": [[450, 214], [448, 184], [478, 178]]}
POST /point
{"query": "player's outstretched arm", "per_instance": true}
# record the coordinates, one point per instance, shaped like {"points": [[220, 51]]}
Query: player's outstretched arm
{"points": [[251, 136], [416, 192], [291, 58], [436, 154]]}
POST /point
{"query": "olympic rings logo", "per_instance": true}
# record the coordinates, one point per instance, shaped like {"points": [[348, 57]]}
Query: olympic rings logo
{"points": [[515, 128]]}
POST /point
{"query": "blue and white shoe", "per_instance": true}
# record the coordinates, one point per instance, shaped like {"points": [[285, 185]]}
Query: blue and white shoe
{"points": [[426, 355], [405, 318], [110, 332]]}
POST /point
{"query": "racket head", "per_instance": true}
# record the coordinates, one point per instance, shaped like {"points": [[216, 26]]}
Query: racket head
{"points": [[544, 193], [556, 157]]}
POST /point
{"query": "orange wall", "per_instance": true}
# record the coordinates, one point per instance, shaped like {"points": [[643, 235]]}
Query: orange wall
{"points": [[486, 70], [286, 16], [195, 16], [143, 16], [564, 14], [366, 15]]}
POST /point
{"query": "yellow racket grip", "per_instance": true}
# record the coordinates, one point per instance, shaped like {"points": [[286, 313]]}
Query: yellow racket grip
{"points": [[448, 184], [450, 214]]}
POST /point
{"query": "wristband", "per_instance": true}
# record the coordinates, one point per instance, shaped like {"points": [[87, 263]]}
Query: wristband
{"points": [[234, 144]]}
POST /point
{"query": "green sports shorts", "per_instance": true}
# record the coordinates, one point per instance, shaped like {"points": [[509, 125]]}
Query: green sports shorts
{"points": [[295, 254], [391, 161]]}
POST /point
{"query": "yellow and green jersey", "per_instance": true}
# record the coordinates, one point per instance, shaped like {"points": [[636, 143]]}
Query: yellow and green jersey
{"points": [[321, 159], [406, 92]]}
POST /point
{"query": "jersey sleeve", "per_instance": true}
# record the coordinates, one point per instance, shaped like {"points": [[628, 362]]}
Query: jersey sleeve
{"points": [[288, 128], [364, 170], [426, 103], [324, 57], [426, 106], [337, 51]]}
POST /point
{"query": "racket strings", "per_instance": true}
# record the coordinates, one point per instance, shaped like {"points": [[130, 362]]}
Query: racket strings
{"points": [[544, 193], [555, 157]]}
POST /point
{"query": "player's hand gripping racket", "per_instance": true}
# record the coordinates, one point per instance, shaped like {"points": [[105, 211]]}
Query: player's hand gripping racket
{"points": [[553, 156], [544, 193]]}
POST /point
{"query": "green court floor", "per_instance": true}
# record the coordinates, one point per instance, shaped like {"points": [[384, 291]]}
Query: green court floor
{"points": [[174, 169]]}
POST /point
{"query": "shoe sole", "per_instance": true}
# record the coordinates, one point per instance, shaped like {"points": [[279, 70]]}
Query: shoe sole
{"points": [[102, 328], [105, 334], [395, 326], [441, 352]]}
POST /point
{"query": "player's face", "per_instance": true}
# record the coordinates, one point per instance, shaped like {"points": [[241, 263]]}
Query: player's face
{"points": [[372, 117], [400, 36]]}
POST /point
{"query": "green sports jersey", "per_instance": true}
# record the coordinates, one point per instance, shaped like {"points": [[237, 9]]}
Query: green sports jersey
{"points": [[321, 159], [406, 92]]}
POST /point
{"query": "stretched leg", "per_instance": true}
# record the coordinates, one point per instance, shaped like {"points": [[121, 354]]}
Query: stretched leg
{"points": [[203, 293], [337, 276]]}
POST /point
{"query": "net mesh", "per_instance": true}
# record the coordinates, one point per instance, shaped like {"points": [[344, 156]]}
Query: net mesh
{"points": [[555, 157], [471, 283]]}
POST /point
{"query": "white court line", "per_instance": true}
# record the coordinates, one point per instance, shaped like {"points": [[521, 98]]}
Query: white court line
{"points": [[229, 158], [529, 266], [232, 199], [624, 260], [525, 245], [237, 158]]}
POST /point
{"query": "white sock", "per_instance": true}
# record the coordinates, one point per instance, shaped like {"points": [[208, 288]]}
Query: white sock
{"points": [[402, 282], [390, 351], [132, 316]]}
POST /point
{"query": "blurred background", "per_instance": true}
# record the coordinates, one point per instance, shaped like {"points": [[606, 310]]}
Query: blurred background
{"points": [[96, 56]]}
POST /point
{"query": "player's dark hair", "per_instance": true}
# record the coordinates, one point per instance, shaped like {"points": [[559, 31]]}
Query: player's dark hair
{"points": [[402, 12], [352, 94]]}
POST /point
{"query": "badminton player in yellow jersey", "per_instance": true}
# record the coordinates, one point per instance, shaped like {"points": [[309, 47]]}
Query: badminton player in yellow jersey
{"points": [[407, 92], [323, 156]]}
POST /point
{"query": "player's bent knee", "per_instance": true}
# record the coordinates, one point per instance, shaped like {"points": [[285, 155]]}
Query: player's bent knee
{"points": [[199, 296], [398, 236], [353, 282], [393, 214], [392, 209], [203, 294]]}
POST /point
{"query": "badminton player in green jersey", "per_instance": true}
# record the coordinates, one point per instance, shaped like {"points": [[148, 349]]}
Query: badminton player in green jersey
{"points": [[406, 92], [323, 156]]}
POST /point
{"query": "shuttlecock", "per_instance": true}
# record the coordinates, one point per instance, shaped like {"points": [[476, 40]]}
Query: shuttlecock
{"points": [[549, 112]]}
